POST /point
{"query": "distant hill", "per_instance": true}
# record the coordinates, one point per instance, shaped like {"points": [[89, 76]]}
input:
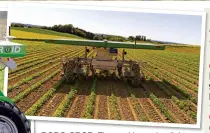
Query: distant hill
{"points": [[25, 25], [33, 26], [165, 42], [47, 32]]}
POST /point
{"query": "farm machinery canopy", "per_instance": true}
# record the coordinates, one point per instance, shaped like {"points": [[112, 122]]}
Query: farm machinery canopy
{"points": [[106, 44], [93, 43]]}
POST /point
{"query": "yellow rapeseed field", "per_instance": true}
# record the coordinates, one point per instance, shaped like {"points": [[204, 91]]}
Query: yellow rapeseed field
{"points": [[24, 34]]}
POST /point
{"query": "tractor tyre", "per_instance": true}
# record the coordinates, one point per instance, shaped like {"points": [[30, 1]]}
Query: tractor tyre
{"points": [[119, 71], [136, 80], [12, 120], [142, 76], [69, 75]]}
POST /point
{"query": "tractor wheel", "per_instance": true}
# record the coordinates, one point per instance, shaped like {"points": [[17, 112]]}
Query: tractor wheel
{"points": [[119, 71], [69, 75], [87, 70], [142, 76], [12, 120], [136, 80], [93, 72], [114, 76]]}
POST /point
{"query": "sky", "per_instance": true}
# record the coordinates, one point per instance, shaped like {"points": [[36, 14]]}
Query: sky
{"points": [[164, 27]]}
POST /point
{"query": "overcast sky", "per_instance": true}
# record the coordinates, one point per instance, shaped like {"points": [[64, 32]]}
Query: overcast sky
{"points": [[165, 27]]}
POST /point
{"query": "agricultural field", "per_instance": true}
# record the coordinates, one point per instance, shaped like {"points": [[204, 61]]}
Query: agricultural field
{"points": [[169, 94]]}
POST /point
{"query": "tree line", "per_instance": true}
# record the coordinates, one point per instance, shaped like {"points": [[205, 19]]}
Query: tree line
{"points": [[69, 28]]}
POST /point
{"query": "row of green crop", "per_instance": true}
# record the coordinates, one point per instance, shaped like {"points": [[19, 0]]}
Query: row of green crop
{"points": [[160, 101], [181, 66], [184, 57], [38, 56], [182, 89], [33, 49], [172, 76], [35, 86], [159, 104], [27, 79], [189, 77], [42, 60], [42, 65], [141, 114], [180, 58], [36, 106], [30, 54], [185, 105], [39, 62], [90, 105], [167, 64], [163, 109], [42, 51], [66, 102], [178, 87], [166, 76], [170, 72], [166, 55], [113, 105], [32, 69], [188, 60]]}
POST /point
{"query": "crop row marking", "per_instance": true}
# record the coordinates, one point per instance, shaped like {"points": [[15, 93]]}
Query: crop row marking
{"points": [[28, 90]]}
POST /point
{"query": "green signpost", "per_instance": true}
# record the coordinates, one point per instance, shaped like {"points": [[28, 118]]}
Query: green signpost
{"points": [[10, 49]]}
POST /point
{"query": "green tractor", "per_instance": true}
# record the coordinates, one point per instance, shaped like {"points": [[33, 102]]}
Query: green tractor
{"points": [[12, 120]]}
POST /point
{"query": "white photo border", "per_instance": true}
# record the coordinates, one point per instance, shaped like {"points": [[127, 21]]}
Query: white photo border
{"points": [[120, 122]]}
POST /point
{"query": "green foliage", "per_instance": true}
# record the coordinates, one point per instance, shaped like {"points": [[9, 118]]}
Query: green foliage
{"points": [[186, 106], [33, 109], [141, 38], [98, 37], [193, 115], [35, 86], [113, 104], [90, 105], [17, 25], [115, 38], [136, 105], [43, 60], [131, 38], [25, 80], [178, 87], [162, 108], [65, 103]]}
